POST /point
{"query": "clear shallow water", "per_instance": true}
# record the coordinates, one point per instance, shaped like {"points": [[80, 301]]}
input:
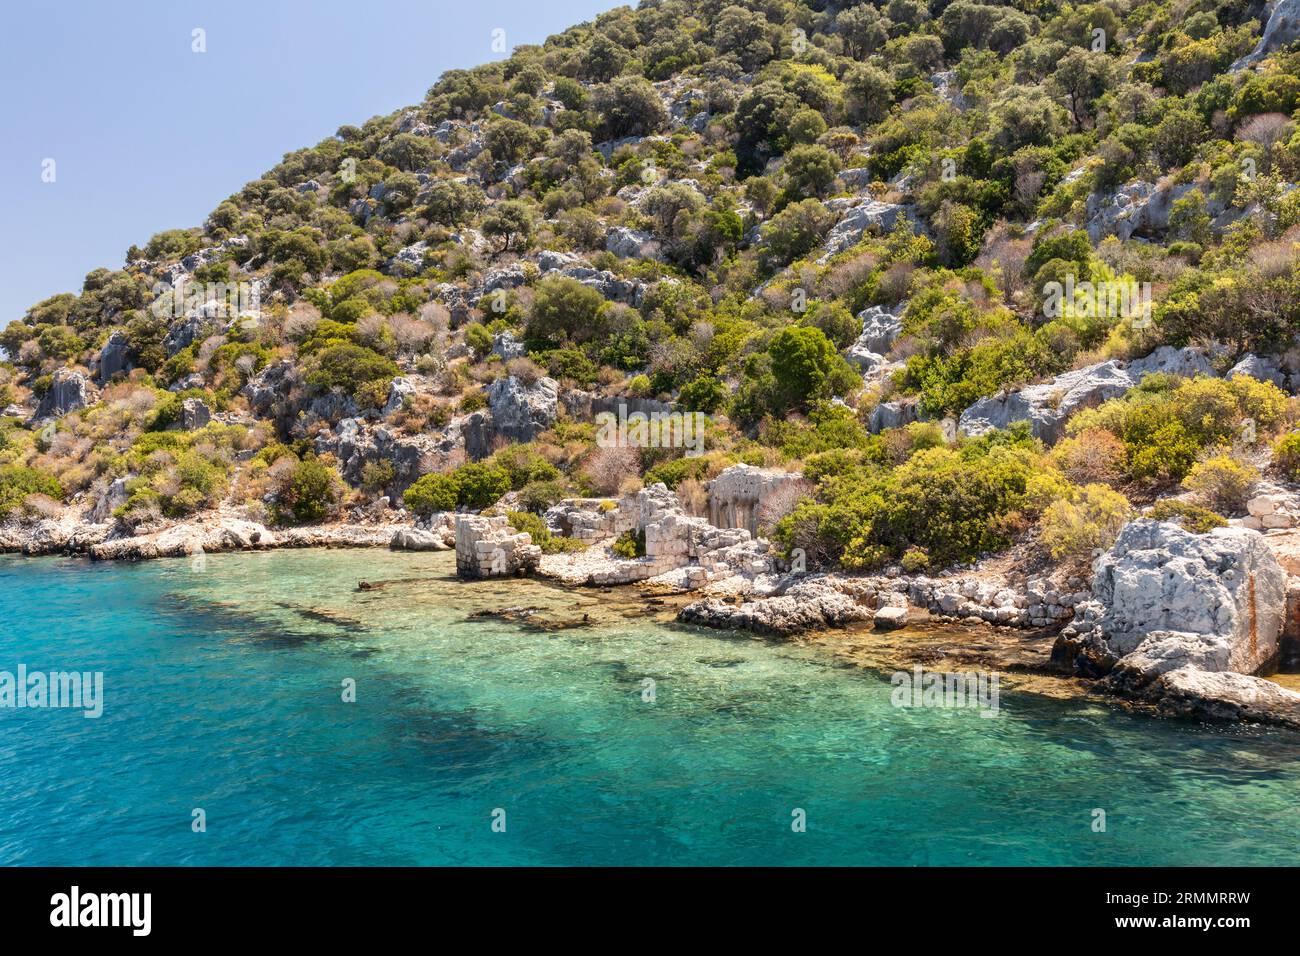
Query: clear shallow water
{"points": [[222, 691]]}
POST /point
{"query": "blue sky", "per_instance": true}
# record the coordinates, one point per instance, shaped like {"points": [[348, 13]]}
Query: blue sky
{"points": [[147, 135]]}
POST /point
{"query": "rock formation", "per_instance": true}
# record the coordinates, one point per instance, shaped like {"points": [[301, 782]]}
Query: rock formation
{"points": [[67, 393], [742, 494], [1049, 405], [1179, 616]]}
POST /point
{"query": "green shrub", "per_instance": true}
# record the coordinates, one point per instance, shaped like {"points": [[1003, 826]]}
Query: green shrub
{"points": [[479, 339], [1089, 519], [542, 536], [630, 544], [914, 559], [432, 493], [705, 393], [17, 482], [350, 368], [954, 504], [1222, 483], [376, 475], [1286, 455], [1194, 518], [479, 485], [537, 496], [524, 465], [313, 493]]}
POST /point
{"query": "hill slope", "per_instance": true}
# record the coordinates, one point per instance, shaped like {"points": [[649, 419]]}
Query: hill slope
{"points": [[977, 270]]}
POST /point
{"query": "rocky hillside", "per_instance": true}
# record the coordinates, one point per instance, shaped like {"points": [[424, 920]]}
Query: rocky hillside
{"points": [[983, 274]]}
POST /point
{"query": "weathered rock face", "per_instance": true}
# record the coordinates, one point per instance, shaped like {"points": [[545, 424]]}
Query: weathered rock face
{"points": [[113, 357], [880, 328], [408, 261], [803, 606], [489, 547], [356, 444], [893, 415], [1260, 367], [67, 394], [185, 331], [1049, 405], [190, 538], [1137, 208], [1282, 29], [632, 244], [1166, 598], [507, 347], [520, 411], [739, 496], [585, 406], [610, 286], [113, 497], [439, 536], [195, 414], [400, 390], [879, 331], [1224, 697], [1272, 507], [861, 216], [269, 391]]}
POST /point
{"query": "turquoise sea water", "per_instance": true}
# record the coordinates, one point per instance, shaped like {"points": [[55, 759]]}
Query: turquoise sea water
{"points": [[223, 692]]}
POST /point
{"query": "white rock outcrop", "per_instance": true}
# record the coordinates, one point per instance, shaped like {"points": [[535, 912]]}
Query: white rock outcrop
{"points": [[520, 410], [1186, 621], [67, 393], [742, 495], [1048, 405], [859, 216], [1282, 29]]}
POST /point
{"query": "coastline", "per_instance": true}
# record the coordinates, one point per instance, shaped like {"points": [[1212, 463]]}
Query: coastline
{"points": [[1025, 630]]}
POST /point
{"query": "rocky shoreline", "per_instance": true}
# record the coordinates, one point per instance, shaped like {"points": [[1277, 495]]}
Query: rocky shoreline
{"points": [[1184, 624]]}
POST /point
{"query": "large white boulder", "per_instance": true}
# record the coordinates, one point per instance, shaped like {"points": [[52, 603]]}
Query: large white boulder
{"points": [[1166, 598]]}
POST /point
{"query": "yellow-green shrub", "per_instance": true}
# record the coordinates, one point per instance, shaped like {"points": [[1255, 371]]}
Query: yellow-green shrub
{"points": [[1089, 519]]}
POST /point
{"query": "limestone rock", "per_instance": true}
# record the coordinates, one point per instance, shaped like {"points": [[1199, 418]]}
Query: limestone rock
{"points": [[1281, 30], [1167, 598], [114, 357], [861, 216], [804, 606], [399, 391], [891, 618], [894, 414], [1049, 405], [417, 539], [505, 345], [632, 244], [520, 411], [195, 414], [67, 393]]}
